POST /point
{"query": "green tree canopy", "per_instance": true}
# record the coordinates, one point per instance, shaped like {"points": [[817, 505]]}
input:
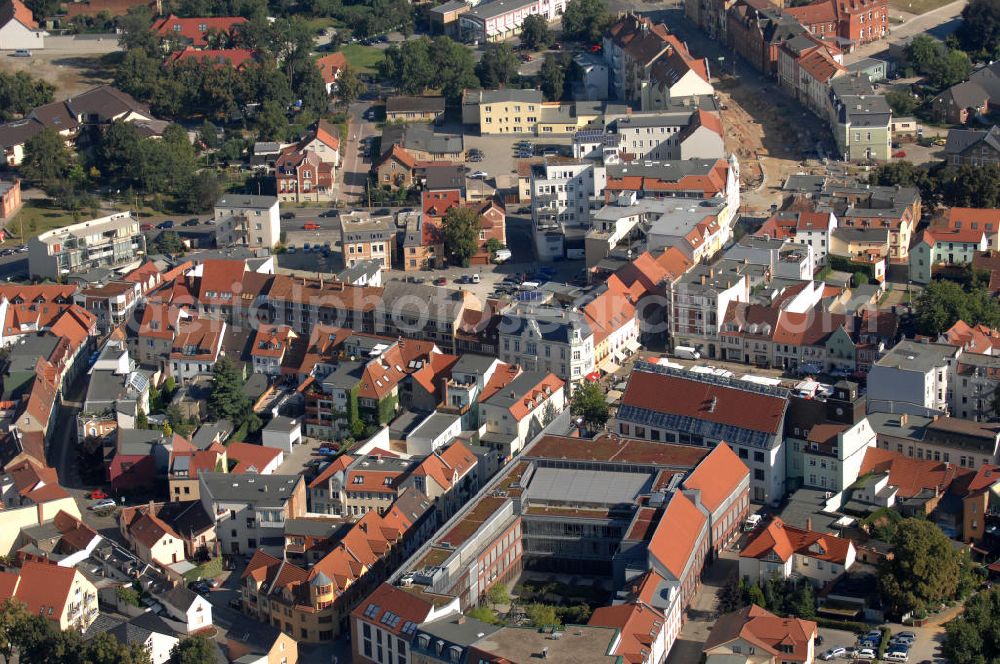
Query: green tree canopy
{"points": [[194, 650], [439, 64], [585, 20], [135, 33], [498, 66], [535, 33], [542, 615], [227, 400], [20, 93], [590, 403], [47, 161], [924, 570], [974, 636], [979, 32], [940, 65], [461, 234], [552, 77], [942, 303], [349, 85]]}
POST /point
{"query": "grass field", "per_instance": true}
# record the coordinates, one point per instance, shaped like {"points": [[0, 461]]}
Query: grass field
{"points": [[35, 218], [918, 6], [364, 59]]}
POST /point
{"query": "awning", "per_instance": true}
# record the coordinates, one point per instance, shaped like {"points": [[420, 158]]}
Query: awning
{"points": [[633, 345], [593, 376], [610, 367], [613, 396]]}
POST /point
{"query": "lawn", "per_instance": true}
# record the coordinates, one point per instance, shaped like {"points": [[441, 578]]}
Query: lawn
{"points": [[364, 59], [209, 570], [917, 6], [35, 218]]}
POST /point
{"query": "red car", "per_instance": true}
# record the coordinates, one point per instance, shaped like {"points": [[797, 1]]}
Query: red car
{"points": [[97, 494], [443, 281], [596, 48], [900, 155], [310, 226], [146, 227]]}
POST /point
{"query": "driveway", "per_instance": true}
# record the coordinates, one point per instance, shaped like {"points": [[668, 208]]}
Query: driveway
{"points": [[701, 616]]}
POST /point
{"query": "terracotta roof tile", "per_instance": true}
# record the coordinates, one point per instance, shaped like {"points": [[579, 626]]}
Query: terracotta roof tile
{"points": [[717, 476], [678, 535]]}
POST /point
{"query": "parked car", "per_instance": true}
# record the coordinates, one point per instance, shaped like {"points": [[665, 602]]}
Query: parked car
{"points": [[833, 653], [103, 504], [98, 494], [190, 222], [169, 223], [287, 215], [328, 213], [866, 653], [21, 53], [441, 281], [901, 154], [146, 227], [479, 175], [200, 587], [310, 226]]}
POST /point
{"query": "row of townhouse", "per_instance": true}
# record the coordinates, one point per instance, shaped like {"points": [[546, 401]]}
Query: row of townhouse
{"points": [[651, 68], [655, 549]]}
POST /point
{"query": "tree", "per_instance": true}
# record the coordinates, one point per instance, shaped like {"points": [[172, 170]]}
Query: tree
{"points": [[942, 303], [201, 192], [42, 9], [974, 636], [129, 595], [756, 596], [979, 32], [20, 93], [731, 595], [585, 20], [801, 601], [134, 30], [208, 134], [902, 103], [969, 186], [194, 650], [940, 65], [590, 404], [169, 242], [859, 278], [47, 160], [535, 33], [483, 614], [141, 419], [461, 234], [553, 78], [227, 400], [497, 594], [439, 63], [542, 615], [119, 151], [498, 66], [349, 85], [924, 569]]}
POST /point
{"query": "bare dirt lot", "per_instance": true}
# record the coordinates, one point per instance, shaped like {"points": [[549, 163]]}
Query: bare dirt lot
{"points": [[73, 64]]}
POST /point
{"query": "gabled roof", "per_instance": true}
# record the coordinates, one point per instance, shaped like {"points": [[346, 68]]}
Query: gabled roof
{"points": [[148, 530], [330, 66], [783, 541], [44, 588], [765, 631], [717, 476], [678, 534], [16, 10], [407, 607], [911, 477], [251, 458], [196, 29], [638, 625]]}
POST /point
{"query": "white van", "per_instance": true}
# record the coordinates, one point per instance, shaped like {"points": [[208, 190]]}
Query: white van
{"points": [[686, 353], [752, 522], [529, 286]]}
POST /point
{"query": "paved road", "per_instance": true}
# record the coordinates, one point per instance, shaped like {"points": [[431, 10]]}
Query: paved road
{"points": [[939, 22], [355, 166]]}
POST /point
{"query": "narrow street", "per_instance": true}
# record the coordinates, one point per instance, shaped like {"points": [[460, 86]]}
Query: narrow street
{"points": [[355, 166], [704, 607]]}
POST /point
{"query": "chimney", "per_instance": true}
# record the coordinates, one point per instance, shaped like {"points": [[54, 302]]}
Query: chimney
{"points": [[809, 523], [903, 419]]}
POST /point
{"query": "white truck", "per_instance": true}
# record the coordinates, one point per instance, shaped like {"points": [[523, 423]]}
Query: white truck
{"points": [[686, 353]]}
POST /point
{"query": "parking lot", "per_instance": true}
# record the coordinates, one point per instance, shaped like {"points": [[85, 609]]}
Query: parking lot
{"points": [[925, 646]]}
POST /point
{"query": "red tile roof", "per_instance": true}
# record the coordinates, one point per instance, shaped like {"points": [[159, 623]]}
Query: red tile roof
{"points": [[785, 540], [910, 476], [148, 530], [237, 58], [251, 458], [221, 281], [385, 598], [678, 535], [717, 476], [44, 588], [197, 28], [772, 634], [979, 339], [338, 464], [693, 398], [203, 334], [638, 626], [330, 66], [23, 14]]}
